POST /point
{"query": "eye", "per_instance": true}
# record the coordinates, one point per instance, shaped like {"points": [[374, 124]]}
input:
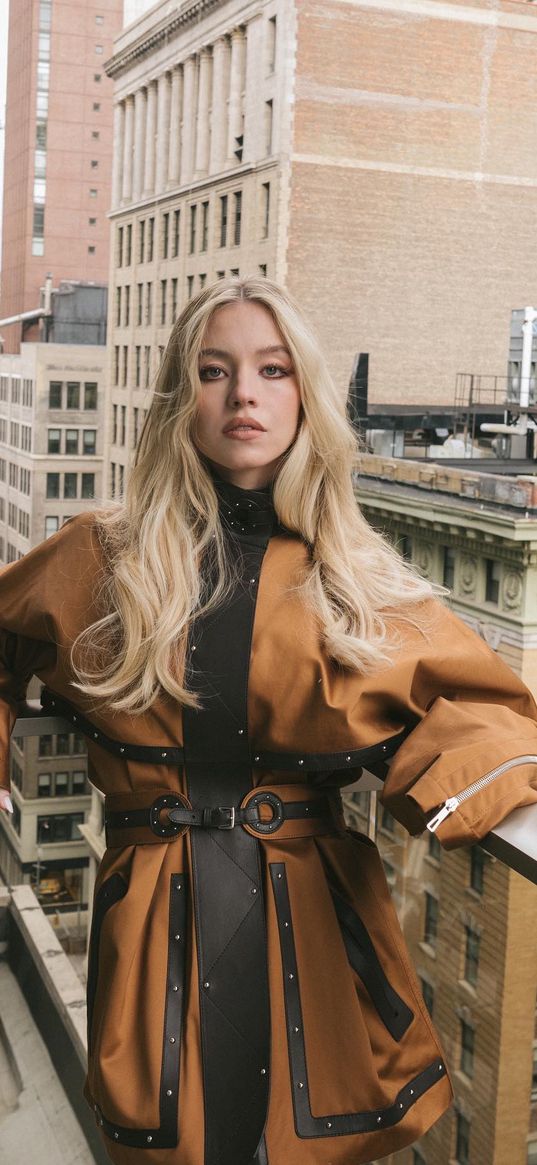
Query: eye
{"points": [[277, 368], [209, 368]]}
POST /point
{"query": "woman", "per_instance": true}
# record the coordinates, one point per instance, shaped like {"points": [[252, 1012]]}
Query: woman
{"points": [[236, 642]]}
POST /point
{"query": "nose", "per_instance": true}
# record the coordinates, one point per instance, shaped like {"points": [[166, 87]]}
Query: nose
{"points": [[242, 391]]}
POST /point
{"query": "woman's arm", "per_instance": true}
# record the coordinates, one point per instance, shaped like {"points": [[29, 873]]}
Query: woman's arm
{"points": [[472, 756]]}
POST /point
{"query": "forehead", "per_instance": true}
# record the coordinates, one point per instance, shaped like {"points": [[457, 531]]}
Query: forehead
{"points": [[241, 327]]}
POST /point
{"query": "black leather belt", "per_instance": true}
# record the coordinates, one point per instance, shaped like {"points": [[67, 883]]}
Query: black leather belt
{"points": [[169, 815]]}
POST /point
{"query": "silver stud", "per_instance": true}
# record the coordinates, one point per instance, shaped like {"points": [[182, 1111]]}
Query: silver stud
{"points": [[412, 1092], [253, 890], [178, 886], [256, 758], [384, 747], [347, 758], [206, 984], [253, 580], [149, 1139], [329, 1124], [193, 648], [280, 875], [263, 1071], [290, 975], [175, 987], [96, 735], [241, 731], [75, 718], [379, 1119], [177, 936], [301, 762], [101, 1121], [164, 754], [169, 1092], [296, 1029], [95, 1108], [122, 749], [439, 1067], [300, 1084], [172, 1039], [116, 1136], [286, 924], [306, 809], [401, 1104], [126, 818], [53, 703]]}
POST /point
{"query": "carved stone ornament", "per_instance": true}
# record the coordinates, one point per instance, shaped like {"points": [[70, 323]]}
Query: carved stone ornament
{"points": [[424, 559], [468, 574], [512, 589], [492, 634]]}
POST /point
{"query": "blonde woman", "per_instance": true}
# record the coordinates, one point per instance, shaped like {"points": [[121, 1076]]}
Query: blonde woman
{"points": [[236, 642]]}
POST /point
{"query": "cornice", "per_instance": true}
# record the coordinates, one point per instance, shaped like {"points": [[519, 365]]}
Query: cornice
{"points": [[159, 34]]}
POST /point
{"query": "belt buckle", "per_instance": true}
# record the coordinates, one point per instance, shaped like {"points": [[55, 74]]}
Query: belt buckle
{"points": [[227, 809]]}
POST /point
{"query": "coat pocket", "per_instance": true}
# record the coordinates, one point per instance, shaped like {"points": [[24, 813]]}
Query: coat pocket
{"points": [[112, 890], [393, 1011]]}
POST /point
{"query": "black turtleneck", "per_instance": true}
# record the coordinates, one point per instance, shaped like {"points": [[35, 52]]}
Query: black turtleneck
{"points": [[246, 513]]}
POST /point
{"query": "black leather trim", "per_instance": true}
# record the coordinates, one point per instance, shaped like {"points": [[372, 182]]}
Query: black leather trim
{"points": [[111, 891], [166, 1135], [321, 763], [331, 1124], [228, 891], [394, 1012]]}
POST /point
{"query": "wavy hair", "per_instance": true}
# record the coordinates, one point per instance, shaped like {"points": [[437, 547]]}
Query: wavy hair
{"points": [[155, 539]]}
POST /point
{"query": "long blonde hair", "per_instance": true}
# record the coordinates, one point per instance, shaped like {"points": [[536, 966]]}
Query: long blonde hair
{"points": [[154, 541]]}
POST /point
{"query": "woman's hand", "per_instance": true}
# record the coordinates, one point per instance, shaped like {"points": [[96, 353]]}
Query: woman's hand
{"points": [[5, 801]]}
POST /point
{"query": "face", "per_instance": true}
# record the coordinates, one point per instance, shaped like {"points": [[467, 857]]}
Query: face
{"points": [[249, 407]]}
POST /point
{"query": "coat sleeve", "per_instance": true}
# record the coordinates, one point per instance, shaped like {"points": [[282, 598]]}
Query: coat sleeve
{"points": [[31, 593], [471, 755]]}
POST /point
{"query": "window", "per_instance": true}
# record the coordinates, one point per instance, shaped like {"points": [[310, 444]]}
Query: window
{"points": [[89, 438], [174, 299], [203, 279], [55, 394], [189, 285], [150, 239], [91, 250], [477, 866], [204, 226], [268, 127], [116, 364], [448, 569], [95, 133], [471, 955], [54, 436], [138, 365], [97, 77], [192, 246], [387, 822], [99, 49], [73, 394], [128, 245], [139, 302], [123, 424], [223, 220], [427, 991], [79, 782], [237, 217], [69, 485], [94, 163], [51, 526], [435, 849], [127, 312], [93, 192], [163, 297], [90, 394], [114, 424], [44, 784], [418, 1158], [271, 44], [53, 485], [71, 441], [45, 746], [88, 485], [125, 365], [492, 580], [234, 271], [462, 1140], [92, 222], [176, 226], [165, 235], [96, 106], [266, 210], [467, 1048], [220, 274], [62, 744], [141, 240], [431, 920], [148, 302], [59, 827]]}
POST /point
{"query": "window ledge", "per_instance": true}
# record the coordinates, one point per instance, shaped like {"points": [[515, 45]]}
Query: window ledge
{"points": [[427, 949]]}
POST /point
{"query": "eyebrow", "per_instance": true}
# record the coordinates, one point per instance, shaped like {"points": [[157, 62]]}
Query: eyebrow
{"points": [[260, 351]]}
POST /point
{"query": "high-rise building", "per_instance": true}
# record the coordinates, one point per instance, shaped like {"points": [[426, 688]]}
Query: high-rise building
{"points": [[58, 152], [376, 157]]}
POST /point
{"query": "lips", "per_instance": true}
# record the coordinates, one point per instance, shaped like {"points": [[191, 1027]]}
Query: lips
{"points": [[243, 425]]}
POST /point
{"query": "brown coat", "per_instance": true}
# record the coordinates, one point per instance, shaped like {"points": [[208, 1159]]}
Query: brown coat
{"points": [[356, 1069]]}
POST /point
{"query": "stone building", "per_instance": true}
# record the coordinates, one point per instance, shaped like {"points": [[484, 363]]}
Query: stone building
{"points": [[469, 920]]}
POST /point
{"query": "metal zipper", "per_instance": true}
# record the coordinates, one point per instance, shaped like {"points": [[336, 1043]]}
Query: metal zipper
{"points": [[453, 803]]}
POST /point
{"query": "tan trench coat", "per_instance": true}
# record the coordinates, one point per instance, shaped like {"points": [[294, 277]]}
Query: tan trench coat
{"points": [[355, 1068]]}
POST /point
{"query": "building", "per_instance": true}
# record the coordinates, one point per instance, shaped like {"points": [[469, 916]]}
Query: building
{"points": [[58, 152], [469, 920], [359, 152]]}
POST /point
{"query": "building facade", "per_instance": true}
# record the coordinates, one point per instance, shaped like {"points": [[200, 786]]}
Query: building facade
{"points": [[469, 920], [58, 151]]}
